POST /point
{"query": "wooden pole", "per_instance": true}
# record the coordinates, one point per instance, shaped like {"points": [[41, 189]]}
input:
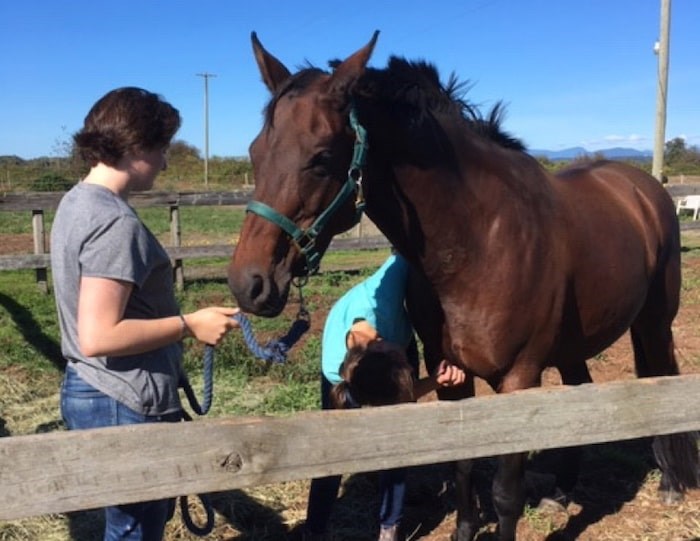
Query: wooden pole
{"points": [[176, 241], [39, 235], [657, 166]]}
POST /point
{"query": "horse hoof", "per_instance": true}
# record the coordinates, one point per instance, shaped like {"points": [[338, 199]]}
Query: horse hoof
{"points": [[670, 497], [462, 534], [557, 503], [551, 505]]}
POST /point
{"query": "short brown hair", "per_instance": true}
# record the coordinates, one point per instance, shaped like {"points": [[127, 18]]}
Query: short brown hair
{"points": [[373, 377], [126, 120]]}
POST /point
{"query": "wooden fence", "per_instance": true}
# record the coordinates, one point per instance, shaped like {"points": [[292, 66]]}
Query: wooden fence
{"points": [[39, 260], [69, 471]]}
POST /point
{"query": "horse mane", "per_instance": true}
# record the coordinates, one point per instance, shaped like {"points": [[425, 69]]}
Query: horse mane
{"points": [[417, 84]]}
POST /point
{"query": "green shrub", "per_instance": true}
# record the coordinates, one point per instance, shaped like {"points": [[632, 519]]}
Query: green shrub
{"points": [[51, 182]]}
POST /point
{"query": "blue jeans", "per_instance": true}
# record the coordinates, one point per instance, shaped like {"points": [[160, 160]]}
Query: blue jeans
{"points": [[324, 490], [82, 407]]}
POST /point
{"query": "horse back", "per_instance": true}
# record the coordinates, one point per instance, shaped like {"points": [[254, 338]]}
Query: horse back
{"points": [[611, 203], [623, 244]]}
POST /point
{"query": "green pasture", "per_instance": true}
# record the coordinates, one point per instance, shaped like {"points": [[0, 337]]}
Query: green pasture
{"points": [[215, 223], [31, 365]]}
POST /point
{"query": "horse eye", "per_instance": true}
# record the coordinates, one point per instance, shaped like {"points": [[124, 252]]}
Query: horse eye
{"points": [[321, 162]]}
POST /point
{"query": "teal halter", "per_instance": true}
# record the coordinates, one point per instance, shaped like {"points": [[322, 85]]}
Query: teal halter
{"points": [[305, 239]]}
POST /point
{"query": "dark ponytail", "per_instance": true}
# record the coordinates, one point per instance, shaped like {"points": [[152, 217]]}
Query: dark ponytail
{"points": [[341, 398], [374, 376]]}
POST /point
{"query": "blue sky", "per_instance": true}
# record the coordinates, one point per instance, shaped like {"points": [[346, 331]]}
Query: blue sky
{"points": [[572, 73]]}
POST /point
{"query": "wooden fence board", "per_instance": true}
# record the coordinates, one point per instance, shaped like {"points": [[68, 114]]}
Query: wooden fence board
{"points": [[50, 200], [33, 261], [66, 471]]}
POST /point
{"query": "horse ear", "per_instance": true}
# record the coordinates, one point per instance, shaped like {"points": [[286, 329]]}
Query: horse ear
{"points": [[348, 71], [273, 72]]}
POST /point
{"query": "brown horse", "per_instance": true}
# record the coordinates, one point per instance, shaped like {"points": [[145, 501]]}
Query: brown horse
{"points": [[525, 269]]}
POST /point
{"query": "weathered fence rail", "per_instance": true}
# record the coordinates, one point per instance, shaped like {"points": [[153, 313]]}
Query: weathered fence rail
{"points": [[50, 200], [68, 471], [39, 260], [34, 261]]}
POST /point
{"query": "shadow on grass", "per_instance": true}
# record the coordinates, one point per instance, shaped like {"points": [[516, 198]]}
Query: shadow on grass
{"points": [[4, 432], [611, 475], [427, 503], [252, 520], [32, 333]]}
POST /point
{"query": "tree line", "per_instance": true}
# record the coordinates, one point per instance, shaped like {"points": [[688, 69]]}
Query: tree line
{"points": [[185, 170]]}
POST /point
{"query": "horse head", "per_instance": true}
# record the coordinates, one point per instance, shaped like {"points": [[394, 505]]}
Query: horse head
{"points": [[307, 179]]}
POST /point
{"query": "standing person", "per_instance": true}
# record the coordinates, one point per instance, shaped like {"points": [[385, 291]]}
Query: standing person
{"points": [[121, 327], [369, 357]]}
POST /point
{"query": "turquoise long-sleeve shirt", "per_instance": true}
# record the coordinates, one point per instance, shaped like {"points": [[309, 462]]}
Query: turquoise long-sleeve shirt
{"points": [[379, 299]]}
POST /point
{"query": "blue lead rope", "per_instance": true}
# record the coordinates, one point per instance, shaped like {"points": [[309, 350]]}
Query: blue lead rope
{"points": [[275, 351]]}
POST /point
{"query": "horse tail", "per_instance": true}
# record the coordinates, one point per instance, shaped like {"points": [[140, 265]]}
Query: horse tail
{"points": [[677, 456]]}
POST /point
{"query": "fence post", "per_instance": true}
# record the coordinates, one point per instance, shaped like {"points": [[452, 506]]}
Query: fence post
{"points": [[176, 240], [40, 248]]}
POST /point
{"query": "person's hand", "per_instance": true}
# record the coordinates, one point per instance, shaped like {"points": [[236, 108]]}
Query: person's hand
{"points": [[449, 375], [210, 325]]}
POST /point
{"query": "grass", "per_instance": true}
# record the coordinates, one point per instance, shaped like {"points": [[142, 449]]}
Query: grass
{"points": [[30, 340], [217, 222], [30, 375]]}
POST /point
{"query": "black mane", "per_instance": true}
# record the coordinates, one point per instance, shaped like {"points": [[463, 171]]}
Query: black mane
{"points": [[417, 84]]}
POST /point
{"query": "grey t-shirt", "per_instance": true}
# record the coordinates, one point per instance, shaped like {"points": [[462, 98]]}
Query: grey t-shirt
{"points": [[95, 233]]}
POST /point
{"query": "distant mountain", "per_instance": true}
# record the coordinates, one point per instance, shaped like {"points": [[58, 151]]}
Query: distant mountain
{"points": [[616, 153]]}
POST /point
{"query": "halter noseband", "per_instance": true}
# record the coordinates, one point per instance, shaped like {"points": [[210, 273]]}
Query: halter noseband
{"points": [[305, 239]]}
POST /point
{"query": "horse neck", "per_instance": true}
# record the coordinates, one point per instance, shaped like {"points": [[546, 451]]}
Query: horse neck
{"points": [[427, 210]]}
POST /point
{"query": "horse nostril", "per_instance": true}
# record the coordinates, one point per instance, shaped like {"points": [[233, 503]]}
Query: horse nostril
{"points": [[257, 287]]}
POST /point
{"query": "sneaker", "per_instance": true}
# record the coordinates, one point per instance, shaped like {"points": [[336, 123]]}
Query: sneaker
{"points": [[390, 533]]}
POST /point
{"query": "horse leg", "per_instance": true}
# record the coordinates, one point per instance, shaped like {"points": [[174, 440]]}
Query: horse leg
{"points": [[508, 488], [654, 355], [428, 319], [465, 498], [467, 515], [509, 494], [568, 459], [675, 454]]}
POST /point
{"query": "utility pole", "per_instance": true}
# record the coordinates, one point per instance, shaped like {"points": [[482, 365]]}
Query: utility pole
{"points": [[661, 48], [206, 77]]}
